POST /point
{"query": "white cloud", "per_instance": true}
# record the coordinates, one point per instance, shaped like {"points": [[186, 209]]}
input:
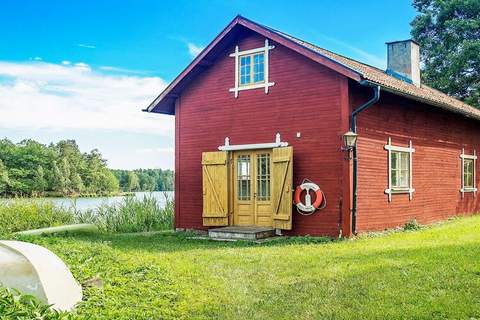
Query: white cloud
{"points": [[194, 49], [167, 150], [122, 70], [66, 62], [37, 58], [88, 46], [39, 95]]}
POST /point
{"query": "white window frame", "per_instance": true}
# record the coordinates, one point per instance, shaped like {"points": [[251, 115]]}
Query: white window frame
{"points": [[473, 157], [390, 190], [265, 84]]}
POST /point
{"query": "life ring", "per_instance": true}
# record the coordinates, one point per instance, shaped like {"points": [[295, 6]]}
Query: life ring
{"points": [[309, 207]]}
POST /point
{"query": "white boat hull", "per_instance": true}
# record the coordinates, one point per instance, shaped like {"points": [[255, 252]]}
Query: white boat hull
{"points": [[34, 270]]}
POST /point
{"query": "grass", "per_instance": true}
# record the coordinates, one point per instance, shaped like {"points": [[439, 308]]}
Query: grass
{"points": [[431, 273], [15, 306], [129, 215], [132, 215], [24, 214]]}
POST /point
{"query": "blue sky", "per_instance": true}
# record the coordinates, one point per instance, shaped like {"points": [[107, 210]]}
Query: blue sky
{"points": [[83, 69]]}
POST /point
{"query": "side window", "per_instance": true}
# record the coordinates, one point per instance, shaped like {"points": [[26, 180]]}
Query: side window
{"points": [[469, 173], [399, 169], [251, 69]]}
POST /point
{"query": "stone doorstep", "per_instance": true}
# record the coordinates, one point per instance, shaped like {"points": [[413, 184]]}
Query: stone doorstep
{"points": [[241, 233]]}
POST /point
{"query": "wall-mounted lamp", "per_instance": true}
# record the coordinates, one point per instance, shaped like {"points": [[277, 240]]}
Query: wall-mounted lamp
{"points": [[349, 142]]}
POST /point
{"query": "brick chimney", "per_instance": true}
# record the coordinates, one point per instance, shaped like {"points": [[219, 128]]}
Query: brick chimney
{"points": [[403, 60]]}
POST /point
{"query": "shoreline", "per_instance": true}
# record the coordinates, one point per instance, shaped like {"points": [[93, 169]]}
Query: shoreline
{"points": [[81, 195]]}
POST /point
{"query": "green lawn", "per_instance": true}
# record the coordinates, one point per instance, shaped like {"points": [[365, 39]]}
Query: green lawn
{"points": [[433, 273]]}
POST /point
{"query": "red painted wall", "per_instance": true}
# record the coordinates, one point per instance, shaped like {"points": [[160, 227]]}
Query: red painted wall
{"points": [[317, 102], [306, 98], [438, 138]]}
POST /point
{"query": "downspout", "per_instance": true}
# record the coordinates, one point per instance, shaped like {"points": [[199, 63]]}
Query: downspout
{"points": [[353, 124]]}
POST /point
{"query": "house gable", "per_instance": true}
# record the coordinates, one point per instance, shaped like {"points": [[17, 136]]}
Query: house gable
{"points": [[239, 26]]}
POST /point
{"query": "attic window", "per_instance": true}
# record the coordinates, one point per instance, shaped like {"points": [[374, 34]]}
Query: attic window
{"points": [[251, 69]]}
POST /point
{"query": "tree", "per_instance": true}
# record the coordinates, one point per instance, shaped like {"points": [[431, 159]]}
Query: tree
{"points": [[58, 181], [4, 182], [449, 35], [132, 181], [39, 183]]}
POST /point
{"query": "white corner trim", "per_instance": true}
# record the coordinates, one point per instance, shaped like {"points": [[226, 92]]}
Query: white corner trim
{"points": [[390, 190], [266, 84], [269, 145], [473, 157]]}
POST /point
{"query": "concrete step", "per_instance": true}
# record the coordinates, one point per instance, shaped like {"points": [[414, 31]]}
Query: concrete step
{"points": [[241, 233]]}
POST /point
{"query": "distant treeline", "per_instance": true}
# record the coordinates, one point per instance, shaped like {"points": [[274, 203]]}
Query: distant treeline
{"points": [[30, 168], [145, 179]]}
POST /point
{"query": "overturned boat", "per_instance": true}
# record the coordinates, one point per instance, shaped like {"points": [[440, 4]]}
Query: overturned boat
{"points": [[34, 270]]}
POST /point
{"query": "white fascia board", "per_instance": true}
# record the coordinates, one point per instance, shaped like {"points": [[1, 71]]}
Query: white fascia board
{"points": [[253, 146]]}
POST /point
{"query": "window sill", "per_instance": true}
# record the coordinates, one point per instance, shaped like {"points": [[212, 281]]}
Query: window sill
{"points": [[399, 191], [465, 190], [392, 191], [253, 86]]}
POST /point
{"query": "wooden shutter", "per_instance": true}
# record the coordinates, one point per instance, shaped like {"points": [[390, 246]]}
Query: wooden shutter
{"points": [[215, 188], [282, 187]]}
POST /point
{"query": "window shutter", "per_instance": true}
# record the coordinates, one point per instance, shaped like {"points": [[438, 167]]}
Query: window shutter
{"points": [[282, 159], [215, 188]]}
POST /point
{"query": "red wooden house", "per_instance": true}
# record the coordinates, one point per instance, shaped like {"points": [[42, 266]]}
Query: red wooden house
{"points": [[258, 111]]}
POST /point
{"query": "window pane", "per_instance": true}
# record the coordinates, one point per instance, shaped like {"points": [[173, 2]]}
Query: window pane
{"points": [[258, 67], [394, 177], [394, 160], [400, 170], [245, 67], [263, 177], [243, 177], [468, 173]]}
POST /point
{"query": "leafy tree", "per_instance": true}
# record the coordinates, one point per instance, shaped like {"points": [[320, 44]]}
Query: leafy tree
{"points": [[4, 182], [29, 167], [449, 34], [132, 181], [58, 181], [39, 182], [149, 179]]}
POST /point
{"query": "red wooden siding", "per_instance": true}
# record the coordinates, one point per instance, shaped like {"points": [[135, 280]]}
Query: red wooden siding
{"points": [[306, 98], [438, 138]]}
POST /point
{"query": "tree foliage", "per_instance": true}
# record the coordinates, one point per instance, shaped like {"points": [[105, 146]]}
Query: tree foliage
{"points": [[31, 168], [449, 34], [145, 179]]}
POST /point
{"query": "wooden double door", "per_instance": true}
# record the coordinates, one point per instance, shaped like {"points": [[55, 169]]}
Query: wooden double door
{"points": [[248, 188], [252, 188]]}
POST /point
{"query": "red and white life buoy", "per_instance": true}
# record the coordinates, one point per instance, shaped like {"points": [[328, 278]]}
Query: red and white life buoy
{"points": [[308, 207]]}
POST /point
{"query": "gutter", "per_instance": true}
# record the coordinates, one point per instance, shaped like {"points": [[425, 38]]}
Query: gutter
{"points": [[353, 127]]}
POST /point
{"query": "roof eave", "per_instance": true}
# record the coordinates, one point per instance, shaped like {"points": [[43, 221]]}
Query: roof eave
{"points": [[429, 102]]}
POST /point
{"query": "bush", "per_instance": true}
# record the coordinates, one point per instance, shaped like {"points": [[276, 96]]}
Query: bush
{"points": [[132, 215], [23, 214], [26, 307], [412, 225]]}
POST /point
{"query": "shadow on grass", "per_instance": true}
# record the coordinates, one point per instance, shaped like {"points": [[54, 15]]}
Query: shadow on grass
{"points": [[170, 241]]}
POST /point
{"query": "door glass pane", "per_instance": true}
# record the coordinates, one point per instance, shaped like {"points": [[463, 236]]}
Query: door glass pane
{"points": [[263, 177], [243, 177]]}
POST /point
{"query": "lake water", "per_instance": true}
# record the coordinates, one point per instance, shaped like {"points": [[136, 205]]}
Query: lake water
{"points": [[83, 204]]}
